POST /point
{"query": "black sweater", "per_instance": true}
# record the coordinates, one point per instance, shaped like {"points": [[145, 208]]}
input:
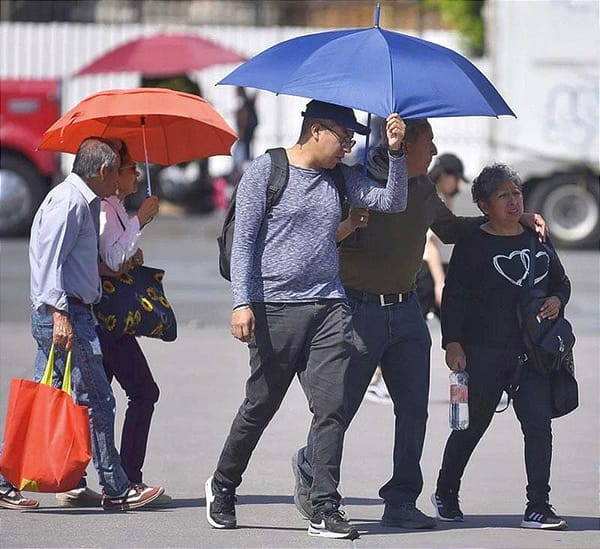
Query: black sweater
{"points": [[486, 276]]}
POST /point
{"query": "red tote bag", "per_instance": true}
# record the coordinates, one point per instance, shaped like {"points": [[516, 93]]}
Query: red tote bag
{"points": [[47, 436]]}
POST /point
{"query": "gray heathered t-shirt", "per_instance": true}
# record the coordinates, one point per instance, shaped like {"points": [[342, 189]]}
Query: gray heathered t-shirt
{"points": [[291, 255]]}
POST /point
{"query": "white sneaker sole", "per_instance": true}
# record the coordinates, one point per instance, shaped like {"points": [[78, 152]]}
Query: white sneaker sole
{"points": [[540, 526], [312, 531]]}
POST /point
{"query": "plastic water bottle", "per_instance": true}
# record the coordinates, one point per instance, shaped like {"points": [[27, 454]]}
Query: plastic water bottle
{"points": [[459, 401]]}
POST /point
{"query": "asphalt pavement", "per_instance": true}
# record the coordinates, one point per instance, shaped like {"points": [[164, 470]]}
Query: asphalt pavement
{"points": [[202, 375]]}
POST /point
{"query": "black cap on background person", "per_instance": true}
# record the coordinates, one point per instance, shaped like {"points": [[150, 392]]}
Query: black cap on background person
{"points": [[450, 164]]}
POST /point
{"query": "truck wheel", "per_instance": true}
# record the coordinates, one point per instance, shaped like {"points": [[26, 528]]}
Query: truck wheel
{"points": [[22, 190], [570, 204]]}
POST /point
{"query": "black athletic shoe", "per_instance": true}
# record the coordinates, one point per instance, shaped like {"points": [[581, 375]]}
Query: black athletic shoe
{"points": [[328, 522], [406, 515], [220, 505], [447, 508], [542, 516]]}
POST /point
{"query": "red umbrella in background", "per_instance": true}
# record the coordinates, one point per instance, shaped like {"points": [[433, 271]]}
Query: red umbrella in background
{"points": [[158, 125], [163, 55]]}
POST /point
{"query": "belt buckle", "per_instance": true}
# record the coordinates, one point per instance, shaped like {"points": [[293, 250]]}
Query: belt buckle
{"points": [[384, 304]]}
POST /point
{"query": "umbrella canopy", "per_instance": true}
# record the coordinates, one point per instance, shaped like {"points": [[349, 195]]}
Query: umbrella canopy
{"points": [[163, 55], [376, 71], [159, 125]]}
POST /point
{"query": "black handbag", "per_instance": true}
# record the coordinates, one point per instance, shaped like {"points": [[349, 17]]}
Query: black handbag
{"points": [[546, 342], [548, 346], [564, 390], [135, 304]]}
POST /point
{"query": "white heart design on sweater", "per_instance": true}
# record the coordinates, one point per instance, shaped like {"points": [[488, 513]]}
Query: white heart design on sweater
{"points": [[518, 262]]}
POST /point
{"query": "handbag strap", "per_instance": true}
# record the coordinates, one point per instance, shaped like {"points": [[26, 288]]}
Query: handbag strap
{"points": [[531, 274], [49, 372], [513, 386]]}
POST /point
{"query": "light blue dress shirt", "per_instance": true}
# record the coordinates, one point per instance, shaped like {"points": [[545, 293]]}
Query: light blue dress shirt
{"points": [[63, 248]]}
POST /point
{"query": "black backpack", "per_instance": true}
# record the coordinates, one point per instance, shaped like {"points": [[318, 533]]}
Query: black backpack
{"points": [[278, 179]]}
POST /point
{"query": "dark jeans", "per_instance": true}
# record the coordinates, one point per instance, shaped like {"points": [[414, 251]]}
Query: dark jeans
{"points": [[490, 370], [397, 338], [124, 360], [313, 341]]}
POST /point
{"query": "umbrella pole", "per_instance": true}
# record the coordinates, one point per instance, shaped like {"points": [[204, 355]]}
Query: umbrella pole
{"points": [[367, 145], [148, 182], [376, 24], [377, 13]]}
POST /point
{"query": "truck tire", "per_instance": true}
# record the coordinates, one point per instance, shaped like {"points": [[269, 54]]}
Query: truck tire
{"points": [[570, 204], [22, 190]]}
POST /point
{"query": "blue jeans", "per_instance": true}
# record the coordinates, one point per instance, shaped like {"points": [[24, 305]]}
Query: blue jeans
{"points": [[490, 372], [311, 341], [396, 338], [90, 387]]}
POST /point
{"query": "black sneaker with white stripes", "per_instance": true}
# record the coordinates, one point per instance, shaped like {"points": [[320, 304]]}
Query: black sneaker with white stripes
{"points": [[446, 506], [542, 516], [329, 522]]}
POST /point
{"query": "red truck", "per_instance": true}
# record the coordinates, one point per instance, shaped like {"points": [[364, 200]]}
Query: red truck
{"points": [[29, 107]]}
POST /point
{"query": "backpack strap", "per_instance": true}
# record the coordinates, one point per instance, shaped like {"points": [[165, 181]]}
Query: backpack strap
{"points": [[340, 182], [278, 178]]}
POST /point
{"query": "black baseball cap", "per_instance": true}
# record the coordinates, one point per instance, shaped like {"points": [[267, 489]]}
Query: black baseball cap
{"points": [[344, 116], [451, 164]]}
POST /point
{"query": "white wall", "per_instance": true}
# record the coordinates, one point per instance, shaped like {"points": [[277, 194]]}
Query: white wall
{"points": [[58, 50]]}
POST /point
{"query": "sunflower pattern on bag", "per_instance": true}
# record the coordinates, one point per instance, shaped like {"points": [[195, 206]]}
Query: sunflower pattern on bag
{"points": [[135, 304]]}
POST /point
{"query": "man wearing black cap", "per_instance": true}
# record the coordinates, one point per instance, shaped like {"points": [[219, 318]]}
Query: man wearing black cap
{"points": [[378, 272], [289, 303]]}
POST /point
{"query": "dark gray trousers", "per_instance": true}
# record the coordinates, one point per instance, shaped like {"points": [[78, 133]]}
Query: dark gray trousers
{"points": [[313, 341]]}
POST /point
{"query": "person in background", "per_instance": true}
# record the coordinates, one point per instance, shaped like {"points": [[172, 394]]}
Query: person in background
{"points": [[378, 267], [481, 334], [65, 282], [446, 174], [122, 357], [289, 305], [246, 121]]}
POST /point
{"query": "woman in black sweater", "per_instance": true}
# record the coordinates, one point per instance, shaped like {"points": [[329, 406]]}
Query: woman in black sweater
{"points": [[481, 334]]}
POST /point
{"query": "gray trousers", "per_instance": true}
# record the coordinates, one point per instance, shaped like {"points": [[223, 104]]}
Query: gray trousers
{"points": [[310, 340]]}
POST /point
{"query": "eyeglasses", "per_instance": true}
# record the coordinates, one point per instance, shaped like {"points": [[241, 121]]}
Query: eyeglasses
{"points": [[345, 142]]}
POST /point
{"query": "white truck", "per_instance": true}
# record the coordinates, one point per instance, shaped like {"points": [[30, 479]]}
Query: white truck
{"points": [[544, 59]]}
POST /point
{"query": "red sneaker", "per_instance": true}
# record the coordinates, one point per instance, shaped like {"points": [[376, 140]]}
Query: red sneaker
{"points": [[137, 495], [11, 498]]}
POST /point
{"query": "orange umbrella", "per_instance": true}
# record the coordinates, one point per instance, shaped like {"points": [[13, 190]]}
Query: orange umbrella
{"points": [[159, 125], [178, 127]]}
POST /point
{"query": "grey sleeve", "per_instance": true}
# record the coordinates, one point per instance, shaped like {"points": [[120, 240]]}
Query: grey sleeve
{"points": [[368, 193], [251, 199]]}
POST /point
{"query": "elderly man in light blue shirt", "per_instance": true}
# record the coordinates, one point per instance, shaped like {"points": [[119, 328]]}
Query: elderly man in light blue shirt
{"points": [[65, 282]]}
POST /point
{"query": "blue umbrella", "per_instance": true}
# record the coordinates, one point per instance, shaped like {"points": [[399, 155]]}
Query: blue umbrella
{"points": [[376, 71]]}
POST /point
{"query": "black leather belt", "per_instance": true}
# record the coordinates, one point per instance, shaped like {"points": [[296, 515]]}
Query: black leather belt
{"points": [[383, 299]]}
